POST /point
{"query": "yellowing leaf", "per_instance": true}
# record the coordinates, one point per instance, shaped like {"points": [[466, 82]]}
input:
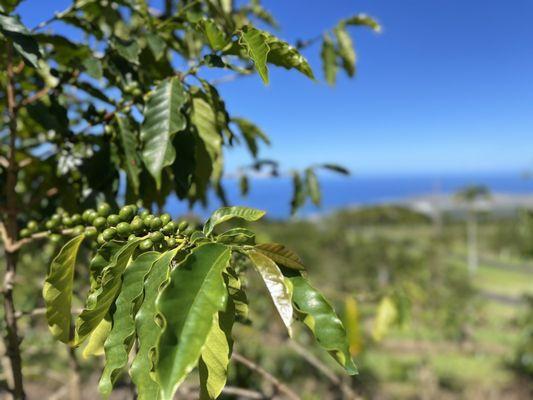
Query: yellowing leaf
{"points": [[386, 316]]}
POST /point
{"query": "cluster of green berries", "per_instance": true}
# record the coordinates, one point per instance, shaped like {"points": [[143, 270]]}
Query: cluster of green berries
{"points": [[103, 225]]}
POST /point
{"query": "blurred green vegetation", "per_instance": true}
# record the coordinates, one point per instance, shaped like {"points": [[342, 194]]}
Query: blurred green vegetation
{"points": [[420, 327]]}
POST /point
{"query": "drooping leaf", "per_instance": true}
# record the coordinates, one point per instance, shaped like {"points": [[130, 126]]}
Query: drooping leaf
{"points": [[23, 42], [345, 49], [251, 133], [120, 339], [364, 20], [95, 343], [321, 319], [57, 289], [329, 60], [216, 353], [280, 290], [281, 255], [226, 213], [313, 186], [244, 184], [299, 193], [100, 300], [147, 328], [254, 42], [284, 55], [197, 289], [163, 118], [128, 139]]}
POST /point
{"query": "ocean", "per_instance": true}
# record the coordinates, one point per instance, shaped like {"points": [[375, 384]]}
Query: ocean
{"points": [[273, 195]]}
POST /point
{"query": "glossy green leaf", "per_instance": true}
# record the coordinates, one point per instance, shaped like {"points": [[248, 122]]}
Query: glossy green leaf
{"points": [[147, 328], [118, 344], [284, 55], [197, 289], [216, 353], [57, 289], [345, 49], [226, 213], [254, 42], [329, 60], [281, 255], [100, 300], [279, 289], [313, 186], [128, 139], [321, 319], [163, 118], [22, 40], [216, 37], [363, 20]]}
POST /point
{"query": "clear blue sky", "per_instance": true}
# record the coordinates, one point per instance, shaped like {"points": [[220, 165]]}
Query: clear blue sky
{"points": [[447, 87]]}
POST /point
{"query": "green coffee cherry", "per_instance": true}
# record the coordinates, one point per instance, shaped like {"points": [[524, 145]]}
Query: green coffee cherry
{"points": [[99, 222], [156, 237], [55, 238], [170, 241], [146, 245], [78, 230], [124, 229], [104, 209], [86, 213], [92, 216], [91, 232], [137, 224], [56, 218], [156, 223], [144, 213], [109, 234], [165, 218], [126, 213], [67, 221], [169, 228], [32, 226], [132, 237], [24, 233], [100, 239], [113, 220], [182, 226], [147, 220], [51, 224], [76, 219]]}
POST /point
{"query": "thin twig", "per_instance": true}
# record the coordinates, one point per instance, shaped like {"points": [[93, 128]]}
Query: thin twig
{"points": [[244, 393], [278, 385]]}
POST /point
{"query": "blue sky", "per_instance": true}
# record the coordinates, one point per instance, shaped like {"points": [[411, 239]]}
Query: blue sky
{"points": [[447, 87]]}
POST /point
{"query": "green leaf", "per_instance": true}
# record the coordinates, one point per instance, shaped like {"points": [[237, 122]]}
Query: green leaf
{"points": [[237, 294], [238, 236], [216, 353], [284, 55], [197, 290], [120, 340], [281, 255], [254, 42], [100, 300], [57, 289], [322, 320], [128, 139], [157, 45], [313, 186], [162, 120], [147, 328], [335, 168], [329, 60], [278, 287], [364, 20], [251, 133], [226, 213], [95, 343], [128, 49], [244, 185], [345, 49], [298, 196], [93, 66], [215, 36], [21, 37]]}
